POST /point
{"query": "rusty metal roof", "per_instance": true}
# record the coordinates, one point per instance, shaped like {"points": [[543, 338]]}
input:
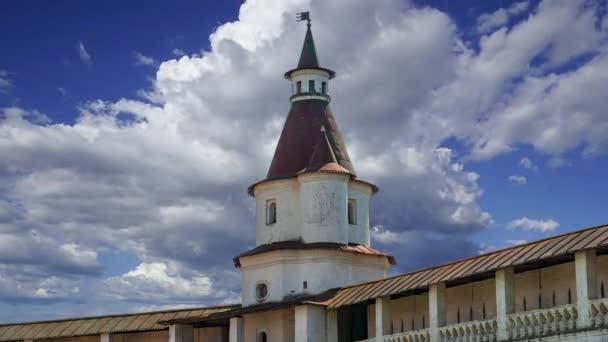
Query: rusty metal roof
{"points": [[300, 245], [309, 140], [147, 321], [520, 255]]}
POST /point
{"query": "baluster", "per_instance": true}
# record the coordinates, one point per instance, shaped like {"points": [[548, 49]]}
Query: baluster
{"points": [[604, 314], [528, 327], [512, 327], [521, 328], [567, 320], [574, 314], [476, 332], [543, 324], [550, 322]]}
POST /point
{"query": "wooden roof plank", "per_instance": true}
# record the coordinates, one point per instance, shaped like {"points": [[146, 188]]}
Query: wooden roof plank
{"points": [[10, 332], [110, 325], [122, 325], [559, 242], [86, 324], [96, 328], [69, 330], [542, 248], [600, 240], [586, 240], [137, 322], [566, 247]]}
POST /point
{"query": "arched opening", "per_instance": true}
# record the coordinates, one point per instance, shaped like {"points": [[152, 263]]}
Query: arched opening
{"points": [[271, 212], [352, 211], [262, 337]]}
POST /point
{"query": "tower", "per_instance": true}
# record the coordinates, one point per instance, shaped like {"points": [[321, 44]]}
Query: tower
{"points": [[312, 212]]}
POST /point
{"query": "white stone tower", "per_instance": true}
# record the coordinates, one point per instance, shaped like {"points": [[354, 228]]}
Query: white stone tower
{"points": [[312, 227]]}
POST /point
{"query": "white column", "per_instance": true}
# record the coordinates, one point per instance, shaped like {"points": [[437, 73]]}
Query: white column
{"points": [[585, 285], [437, 309], [180, 333], [332, 325], [105, 338], [310, 323], [505, 301], [235, 333], [383, 318]]}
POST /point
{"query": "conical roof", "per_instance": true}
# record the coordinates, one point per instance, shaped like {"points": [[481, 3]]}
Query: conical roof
{"points": [[310, 140]]}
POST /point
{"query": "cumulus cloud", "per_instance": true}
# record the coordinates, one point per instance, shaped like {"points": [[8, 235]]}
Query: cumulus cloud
{"points": [[527, 163], [489, 21], [518, 180], [5, 82], [159, 282], [141, 59], [178, 52], [84, 55], [164, 179], [539, 225]]}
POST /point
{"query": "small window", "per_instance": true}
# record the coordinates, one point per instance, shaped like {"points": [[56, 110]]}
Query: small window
{"points": [[299, 87], [311, 86], [261, 291], [271, 212], [305, 284], [262, 337], [323, 87], [352, 211]]}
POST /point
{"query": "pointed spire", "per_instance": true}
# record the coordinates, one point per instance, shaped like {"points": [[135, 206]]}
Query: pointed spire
{"points": [[308, 56]]}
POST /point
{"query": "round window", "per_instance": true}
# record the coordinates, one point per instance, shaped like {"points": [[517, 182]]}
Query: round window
{"points": [[261, 291]]}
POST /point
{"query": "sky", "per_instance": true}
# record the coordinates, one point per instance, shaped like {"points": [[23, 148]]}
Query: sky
{"points": [[129, 134]]}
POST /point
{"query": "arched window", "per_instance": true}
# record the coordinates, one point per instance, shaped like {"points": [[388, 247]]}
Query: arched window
{"points": [[311, 86], [262, 337], [352, 211], [271, 212], [323, 87], [299, 87]]}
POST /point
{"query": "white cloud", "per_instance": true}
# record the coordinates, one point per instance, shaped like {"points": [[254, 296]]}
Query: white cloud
{"points": [[160, 282], [5, 82], [84, 55], [489, 21], [62, 91], [540, 225], [518, 180], [178, 52], [516, 242], [144, 60], [164, 180], [527, 163]]}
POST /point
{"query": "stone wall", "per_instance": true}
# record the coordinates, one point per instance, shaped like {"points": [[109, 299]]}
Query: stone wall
{"points": [[471, 302], [543, 285], [279, 325]]}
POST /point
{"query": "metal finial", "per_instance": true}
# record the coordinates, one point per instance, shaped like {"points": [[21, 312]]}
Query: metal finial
{"points": [[303, 16]]}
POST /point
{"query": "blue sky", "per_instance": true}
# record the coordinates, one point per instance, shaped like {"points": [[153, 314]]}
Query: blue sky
{"points": [[129, 134]]}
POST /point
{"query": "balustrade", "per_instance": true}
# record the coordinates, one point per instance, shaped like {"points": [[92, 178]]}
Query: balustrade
{"points": [[599, 313], [521, 325], [410, 336], [543, 322], [475, 331]]}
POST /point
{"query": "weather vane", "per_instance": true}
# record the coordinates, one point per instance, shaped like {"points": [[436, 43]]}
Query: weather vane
{"points": [[303, 16]]}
